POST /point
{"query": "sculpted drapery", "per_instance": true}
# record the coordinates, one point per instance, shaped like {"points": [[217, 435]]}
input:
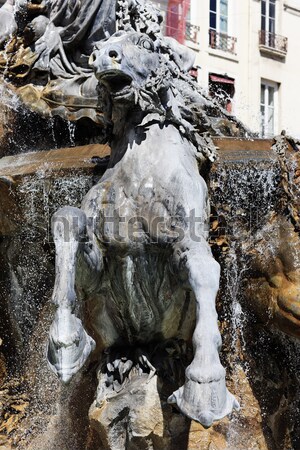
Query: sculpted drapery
{"points": [[45, 49]]}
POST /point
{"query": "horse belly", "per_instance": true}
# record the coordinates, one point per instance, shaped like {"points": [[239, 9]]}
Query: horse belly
{"points": [[142, 302]]}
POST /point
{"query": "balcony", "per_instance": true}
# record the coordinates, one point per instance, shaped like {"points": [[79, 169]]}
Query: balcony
{"points": [[192, 33], [185, 32], [272, 44], [221, 41]]}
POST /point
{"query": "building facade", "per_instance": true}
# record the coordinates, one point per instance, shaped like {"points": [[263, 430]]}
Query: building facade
{"points": [[247, 54]]}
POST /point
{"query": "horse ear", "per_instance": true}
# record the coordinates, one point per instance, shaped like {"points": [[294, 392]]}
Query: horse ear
{"points": [[183, 56]]}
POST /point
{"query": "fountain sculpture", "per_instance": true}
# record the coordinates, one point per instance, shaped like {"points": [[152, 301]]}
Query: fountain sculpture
{"points": [[135, 279], [131, 245]]}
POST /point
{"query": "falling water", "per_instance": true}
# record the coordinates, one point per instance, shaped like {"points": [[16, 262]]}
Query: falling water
{"points": [[72, 129], [244, 195], [245, 192], [29, 265], [41, 195], [8, 97]]}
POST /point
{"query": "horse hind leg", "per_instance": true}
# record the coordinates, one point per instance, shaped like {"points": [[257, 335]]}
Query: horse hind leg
{"points": [[204, 396], [69, 344]]}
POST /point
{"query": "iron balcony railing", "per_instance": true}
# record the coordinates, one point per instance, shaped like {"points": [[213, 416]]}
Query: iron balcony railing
{"points": [[192, 33], [273, 41], [221, 41]]}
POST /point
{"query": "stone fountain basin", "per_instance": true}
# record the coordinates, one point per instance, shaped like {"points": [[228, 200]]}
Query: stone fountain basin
{"points": [[43, 166], [34, 185]]}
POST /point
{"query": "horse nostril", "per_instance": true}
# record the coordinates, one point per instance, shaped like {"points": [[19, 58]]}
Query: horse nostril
{"points": [[113, 54], [92, 59]]}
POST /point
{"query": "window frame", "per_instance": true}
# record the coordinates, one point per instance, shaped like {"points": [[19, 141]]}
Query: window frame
{"points": [[267, 16], [266, 85], [218, 16]]}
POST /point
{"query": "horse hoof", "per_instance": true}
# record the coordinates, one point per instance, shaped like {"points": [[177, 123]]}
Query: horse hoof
{"points": [[206, 418]]}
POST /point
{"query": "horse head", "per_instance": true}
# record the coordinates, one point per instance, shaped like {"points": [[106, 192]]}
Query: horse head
{"points": [[130, 62]]}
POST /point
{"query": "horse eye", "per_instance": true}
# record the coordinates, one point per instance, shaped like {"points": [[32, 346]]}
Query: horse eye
{"points": [[146, 44]]}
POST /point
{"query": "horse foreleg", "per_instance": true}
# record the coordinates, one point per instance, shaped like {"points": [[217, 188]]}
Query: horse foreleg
{"points": [[69, 344], [204, 396]]}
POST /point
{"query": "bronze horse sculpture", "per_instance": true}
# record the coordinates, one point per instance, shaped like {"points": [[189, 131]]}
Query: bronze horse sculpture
{"points": [[138, 243]]}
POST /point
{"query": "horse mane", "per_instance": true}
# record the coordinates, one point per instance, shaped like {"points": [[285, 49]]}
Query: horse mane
{"points": [[171, 91], [175, 97]]}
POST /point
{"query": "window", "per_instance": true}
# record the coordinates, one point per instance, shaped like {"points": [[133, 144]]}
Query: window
{"points": [[221, 87], [269, 42], [268, 18], [218, 16], [268, 22], [268, 108], [219, 26]]}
